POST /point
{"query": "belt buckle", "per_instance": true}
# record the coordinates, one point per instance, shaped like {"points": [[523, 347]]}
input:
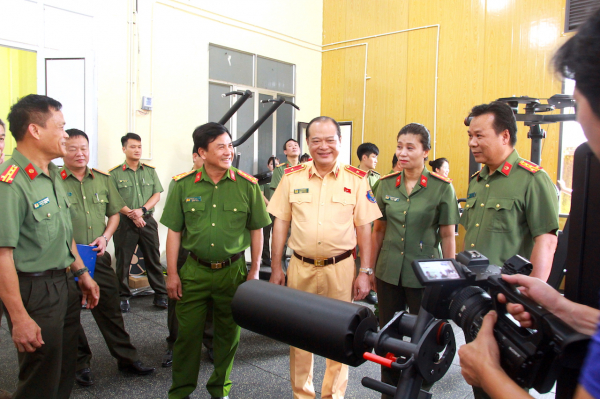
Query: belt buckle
{"points": [[320, 262], [218, 265]]}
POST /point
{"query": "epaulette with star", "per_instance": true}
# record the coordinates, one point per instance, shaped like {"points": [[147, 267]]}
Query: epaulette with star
{"points": [[374, 172], [118, 166], [390, 175], [294, 169], [248, 177], [182, 175], [150, 166], [9, 174], [530, 166], [101, 172], [355, 171], [474, 175], [442, 178]]}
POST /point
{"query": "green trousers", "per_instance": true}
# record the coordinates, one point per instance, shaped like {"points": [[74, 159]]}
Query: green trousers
{"points": [[109, 319], [202, 285], [53, 303]]}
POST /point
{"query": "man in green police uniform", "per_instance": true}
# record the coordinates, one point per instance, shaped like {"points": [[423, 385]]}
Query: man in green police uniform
{"points": [[172, 323], [367, 154], [272, 163], [215, 213], [38, 253], [512, 205], [140, 188], [94, 197], [291, 149]]}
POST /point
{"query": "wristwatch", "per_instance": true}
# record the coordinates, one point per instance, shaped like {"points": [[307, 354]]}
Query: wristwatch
{"points": [[367, 270], [144, 210], [80, 272]]}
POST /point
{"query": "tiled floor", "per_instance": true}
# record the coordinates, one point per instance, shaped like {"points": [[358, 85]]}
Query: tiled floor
{"points": [[261, 368]]}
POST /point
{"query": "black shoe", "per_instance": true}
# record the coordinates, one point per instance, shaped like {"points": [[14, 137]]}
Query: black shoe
{"points": [[136, 368], [84, 377], [161, 303], [168, 358], [372, 298], [125, 308], [211, 355]]}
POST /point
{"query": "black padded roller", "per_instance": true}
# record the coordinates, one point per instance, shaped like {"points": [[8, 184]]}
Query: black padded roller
{"points": [[324, 326]]}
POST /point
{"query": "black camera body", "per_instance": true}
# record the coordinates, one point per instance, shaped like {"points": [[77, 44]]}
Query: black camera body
{"points": [[465, 289]]}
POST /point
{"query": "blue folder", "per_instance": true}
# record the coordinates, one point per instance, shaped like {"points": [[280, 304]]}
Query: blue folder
{"points": [[88, 256]]}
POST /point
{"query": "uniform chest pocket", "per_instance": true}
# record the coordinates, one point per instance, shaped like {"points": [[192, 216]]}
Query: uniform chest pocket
{"points": [[504, 217], [343, 208], [47, 219], [100, 202], [124, 184], [193, 212], [236, 214], [301, 206], [147, 187]]}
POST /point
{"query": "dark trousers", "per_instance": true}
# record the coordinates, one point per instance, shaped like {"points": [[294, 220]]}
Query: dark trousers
{"points": [[266, 252], [53, 303], [126, 238], [173, 324], [108, 317], [392, 299]]}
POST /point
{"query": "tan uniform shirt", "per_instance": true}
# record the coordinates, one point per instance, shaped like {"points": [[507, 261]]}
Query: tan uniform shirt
{"points": [[323, 210]]}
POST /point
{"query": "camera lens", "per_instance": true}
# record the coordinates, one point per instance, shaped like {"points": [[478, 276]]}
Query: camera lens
{"points": [[467, 308]]}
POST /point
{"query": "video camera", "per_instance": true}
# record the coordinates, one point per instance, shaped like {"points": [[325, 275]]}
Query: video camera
{"points": [[466, 289]]}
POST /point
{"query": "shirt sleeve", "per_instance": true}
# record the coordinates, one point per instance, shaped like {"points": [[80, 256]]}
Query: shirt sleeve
{"points": [[173, 216], [590, 374], [115, 202], [259, 217], [11, 217], [541, 202], [379, 198], [158, 188], [366, 209], [448, 207], [280, 206], [276, 178]]}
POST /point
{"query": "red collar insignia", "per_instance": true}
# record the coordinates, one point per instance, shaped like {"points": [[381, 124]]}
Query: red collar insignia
{"points": [[124, 167], [63, 174], [31, 172], [423, 181], [232, 174], [198, 177], [398, 180], [506, 169]]}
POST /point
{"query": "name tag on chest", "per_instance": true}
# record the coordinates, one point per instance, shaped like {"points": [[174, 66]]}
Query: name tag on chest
{"points": [[301, 191], [395, 199], [193, 199], [41, 203]]}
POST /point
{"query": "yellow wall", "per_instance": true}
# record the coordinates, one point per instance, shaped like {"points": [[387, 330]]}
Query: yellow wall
{"points": [[18, 78], [487, 50]]}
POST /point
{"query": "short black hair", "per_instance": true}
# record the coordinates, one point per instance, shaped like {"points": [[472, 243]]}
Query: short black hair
{"points": [[419, 130], [366, 149], [272, 160], [77, 133], [323, 119], [504, 118], [579, 59], [33, 108], [304, 158], [207, 133], [130, 136], [437, 164], [394, 161], [287, 141]]}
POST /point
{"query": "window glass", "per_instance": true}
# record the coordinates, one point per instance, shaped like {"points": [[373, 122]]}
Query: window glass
{"points": [[265, 133], [217, 104], [230, 66], [275, 75], [285, 127], [245, 119]]}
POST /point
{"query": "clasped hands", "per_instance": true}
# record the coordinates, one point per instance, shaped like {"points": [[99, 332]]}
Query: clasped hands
{"points": [[137, 215]]}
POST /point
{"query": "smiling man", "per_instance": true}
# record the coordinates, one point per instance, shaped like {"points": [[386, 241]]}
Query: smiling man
{"points": [[512, 206], [330, 207], [215, 213]]}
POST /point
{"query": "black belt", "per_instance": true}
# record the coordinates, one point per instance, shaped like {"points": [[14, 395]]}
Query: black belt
{"points": [[47, 273], [324, 262], [217, 265]]}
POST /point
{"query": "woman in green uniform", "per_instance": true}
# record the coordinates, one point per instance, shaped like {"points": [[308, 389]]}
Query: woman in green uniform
{"points": [[419, 210]]}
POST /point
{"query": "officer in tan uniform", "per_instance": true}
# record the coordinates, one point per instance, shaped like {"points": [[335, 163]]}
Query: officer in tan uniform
{"points": [[329, 207]]}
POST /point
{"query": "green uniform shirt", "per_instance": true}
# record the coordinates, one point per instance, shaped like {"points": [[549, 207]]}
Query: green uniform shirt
{"points": [[376, 184], [266, 189], [507, 209], [413, 222], [373, 177], [277, 175], [217, 218], [92, 199], [137, 187], [35, 218]]}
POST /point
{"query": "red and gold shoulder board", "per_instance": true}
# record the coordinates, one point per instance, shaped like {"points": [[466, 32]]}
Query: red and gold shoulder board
{"points": [[390, 175], [294, 169], [100, 171], [475, 174], [63, 174], [246, 176], [530, 166], [442, 178], [182, 175], [150, 166], [355, 171], [9, 174], [118, 166]]}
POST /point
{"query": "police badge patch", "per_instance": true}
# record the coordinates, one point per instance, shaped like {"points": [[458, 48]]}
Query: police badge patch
{"points": [[371, 197]]}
